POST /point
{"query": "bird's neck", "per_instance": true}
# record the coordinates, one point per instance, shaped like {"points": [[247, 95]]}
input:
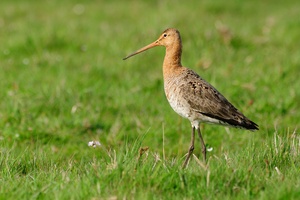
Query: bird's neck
{"points": [[172, 59]]}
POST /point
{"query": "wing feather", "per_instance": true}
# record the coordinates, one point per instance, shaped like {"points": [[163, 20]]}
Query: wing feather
{"points": [[206, 100]]}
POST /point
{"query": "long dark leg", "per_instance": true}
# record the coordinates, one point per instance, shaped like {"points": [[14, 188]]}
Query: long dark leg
{"points": [[203, 145], [191, 149]]}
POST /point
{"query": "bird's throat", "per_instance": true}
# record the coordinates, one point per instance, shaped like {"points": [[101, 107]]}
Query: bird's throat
{"points": [[172, 58]]}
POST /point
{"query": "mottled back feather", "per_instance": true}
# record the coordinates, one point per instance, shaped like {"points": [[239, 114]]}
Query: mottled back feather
{"points": [[206, 100]]}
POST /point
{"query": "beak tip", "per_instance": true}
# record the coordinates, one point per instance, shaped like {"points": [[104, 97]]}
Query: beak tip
{"points": [[127, 57]]}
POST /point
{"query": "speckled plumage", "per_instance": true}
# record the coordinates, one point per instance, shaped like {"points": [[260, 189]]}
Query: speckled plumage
{"points": [[191, 96]]}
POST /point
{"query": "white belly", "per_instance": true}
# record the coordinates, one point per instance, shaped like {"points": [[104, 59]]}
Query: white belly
{"points": [[179, 105]]}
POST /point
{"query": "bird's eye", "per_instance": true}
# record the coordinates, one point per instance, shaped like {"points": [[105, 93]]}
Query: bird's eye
{"points": [[165, 35]]}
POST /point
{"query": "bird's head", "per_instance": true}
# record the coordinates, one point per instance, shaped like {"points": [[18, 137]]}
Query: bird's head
{"points": [[168, 38]]}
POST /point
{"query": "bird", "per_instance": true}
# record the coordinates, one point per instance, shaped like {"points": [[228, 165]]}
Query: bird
{"points": [[191, 96]]}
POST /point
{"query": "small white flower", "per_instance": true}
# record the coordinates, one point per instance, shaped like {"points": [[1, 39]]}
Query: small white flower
{"points": [[94, 144], [210, 149]]}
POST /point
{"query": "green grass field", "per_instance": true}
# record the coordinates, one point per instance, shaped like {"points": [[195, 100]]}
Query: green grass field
{"points": [[63, 83]]}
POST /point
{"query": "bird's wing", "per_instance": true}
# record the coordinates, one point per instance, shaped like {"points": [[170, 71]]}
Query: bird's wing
{"points": [[206, 100]]}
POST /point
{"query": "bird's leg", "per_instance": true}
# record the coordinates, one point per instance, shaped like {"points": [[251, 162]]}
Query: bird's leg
{"points": [[203, 144], [191, 149]]}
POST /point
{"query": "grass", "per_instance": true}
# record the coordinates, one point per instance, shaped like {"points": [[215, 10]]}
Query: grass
{"points": [[63, 83]]}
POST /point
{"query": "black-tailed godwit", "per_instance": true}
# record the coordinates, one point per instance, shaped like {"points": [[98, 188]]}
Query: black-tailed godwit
{"points": [[191, 96]]}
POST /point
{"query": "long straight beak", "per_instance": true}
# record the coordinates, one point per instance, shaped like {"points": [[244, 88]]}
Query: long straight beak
{"points": [[149, 46]]}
